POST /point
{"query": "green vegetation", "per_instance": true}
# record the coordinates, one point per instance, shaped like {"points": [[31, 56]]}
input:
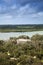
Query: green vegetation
{"points": [[37, 37], [23, 37], [21, 28], [28, 53]]}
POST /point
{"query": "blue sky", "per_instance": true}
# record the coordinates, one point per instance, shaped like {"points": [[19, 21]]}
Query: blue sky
{"points": [[21, 12]]}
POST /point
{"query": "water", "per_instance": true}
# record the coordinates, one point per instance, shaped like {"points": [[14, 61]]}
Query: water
{"points": [[6, 36]]}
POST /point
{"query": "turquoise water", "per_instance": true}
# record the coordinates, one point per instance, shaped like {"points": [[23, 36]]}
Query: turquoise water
{"points": [[6, 36]]}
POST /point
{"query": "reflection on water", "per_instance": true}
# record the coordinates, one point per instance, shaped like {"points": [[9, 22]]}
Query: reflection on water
{"points": [[5, 36]]}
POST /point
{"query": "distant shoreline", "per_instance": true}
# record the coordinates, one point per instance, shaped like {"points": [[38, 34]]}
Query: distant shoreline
{"points": [[21, 28]]}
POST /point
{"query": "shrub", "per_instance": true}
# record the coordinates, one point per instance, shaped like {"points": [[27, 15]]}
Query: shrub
{"points": [[24, 37]]}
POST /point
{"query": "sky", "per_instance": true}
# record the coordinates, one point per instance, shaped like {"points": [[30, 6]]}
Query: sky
{"points": [[21, 12]]}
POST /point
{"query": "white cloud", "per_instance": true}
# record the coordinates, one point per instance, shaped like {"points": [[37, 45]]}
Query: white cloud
{"points": [[16, 11], [25, 11], [5, 16], [13, 7], [8, 1], [3, 9], [40, 13], [37, 15], [22, 14]]}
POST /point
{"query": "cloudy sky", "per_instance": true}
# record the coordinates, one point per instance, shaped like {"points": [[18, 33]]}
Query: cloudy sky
{"points": [[21, 12]]}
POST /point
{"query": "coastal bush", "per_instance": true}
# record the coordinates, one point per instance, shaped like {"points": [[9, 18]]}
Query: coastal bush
{"points": [[23, 37], [22, 54], [37, 37]]}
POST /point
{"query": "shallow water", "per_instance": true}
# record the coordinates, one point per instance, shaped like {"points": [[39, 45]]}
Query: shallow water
{"points": [[6, 36]]}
